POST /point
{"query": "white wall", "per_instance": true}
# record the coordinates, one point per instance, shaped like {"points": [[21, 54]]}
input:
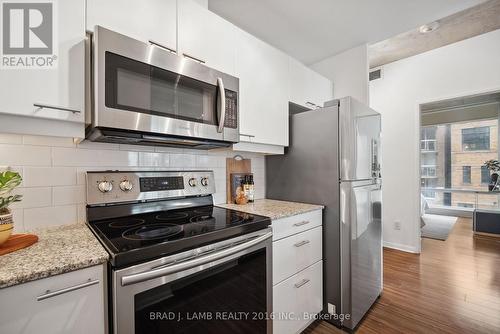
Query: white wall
{"points": [[53, 170], [464, 68], [349, 73]]}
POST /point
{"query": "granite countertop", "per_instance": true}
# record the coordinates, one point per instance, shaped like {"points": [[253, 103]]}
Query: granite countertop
{"points": [[58, 250], [273, 209]]}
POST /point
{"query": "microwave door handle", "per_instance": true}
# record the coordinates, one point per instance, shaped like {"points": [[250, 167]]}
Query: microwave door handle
{"points": [[221, 105]]}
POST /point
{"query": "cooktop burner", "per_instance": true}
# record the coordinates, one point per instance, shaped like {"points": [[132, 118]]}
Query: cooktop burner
{"points": [[126, 223], [144, 236], [152, 232]]}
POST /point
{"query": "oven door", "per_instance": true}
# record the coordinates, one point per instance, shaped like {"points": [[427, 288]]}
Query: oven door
{"points": [[144, 88], [220, 288]]}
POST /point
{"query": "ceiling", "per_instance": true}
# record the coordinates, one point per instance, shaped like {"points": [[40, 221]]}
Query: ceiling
{"points": [[313, 30], [467, 23]]}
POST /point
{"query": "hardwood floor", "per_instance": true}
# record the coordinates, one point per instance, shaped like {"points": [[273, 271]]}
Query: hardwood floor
{"points": [[452, 287]]}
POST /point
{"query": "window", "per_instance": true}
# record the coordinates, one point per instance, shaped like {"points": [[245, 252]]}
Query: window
{"points": [[428, 171], [485, 175], [428, 183], [428, 138], [466, 174], [476, 139]]}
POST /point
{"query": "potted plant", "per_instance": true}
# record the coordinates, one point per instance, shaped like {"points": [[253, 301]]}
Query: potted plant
{"points": [[493, 166], [8, 181]]}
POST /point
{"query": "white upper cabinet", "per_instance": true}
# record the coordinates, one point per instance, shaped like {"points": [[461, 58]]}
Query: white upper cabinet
{"points": [[146, 20], [206, 36], [53, 92], [307, 87], [263, 73]]}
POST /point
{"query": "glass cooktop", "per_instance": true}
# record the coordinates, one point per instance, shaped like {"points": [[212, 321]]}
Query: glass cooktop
{"points": [[145, 236]]}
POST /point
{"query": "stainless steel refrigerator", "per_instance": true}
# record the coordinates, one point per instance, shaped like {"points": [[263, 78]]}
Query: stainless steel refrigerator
{"points": [[333, 159]]}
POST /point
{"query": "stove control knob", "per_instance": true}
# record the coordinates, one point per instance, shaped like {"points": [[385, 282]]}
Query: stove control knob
{"points": [[192, 182], [204, 181], [105, 186], [126, 185]]}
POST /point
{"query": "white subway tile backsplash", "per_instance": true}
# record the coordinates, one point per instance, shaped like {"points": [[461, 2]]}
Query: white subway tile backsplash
{"points": [[53, 171], [207, 161], [18, 216], [182, 160], [49, 216], [68, 195], [81, 213], [48, 141], [150, 159], [84, 157], [49, 176], [98, 146], [21, 155], [33, 197], [137, 148], [8, 138]]}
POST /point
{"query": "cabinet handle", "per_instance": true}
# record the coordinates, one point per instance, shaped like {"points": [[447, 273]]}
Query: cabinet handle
{"points": [[303, 282], [161, 46], [193, 58], [313, 105], [49, 294], [302, 243], [302, 223], [46, 106], [244, 135]]}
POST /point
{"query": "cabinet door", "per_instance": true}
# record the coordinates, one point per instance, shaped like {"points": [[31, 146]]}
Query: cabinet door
{"points": [[308, 88], [62, 86], [297, 300], [146, 20], [67, 303], [206, 36], [263, 73]]}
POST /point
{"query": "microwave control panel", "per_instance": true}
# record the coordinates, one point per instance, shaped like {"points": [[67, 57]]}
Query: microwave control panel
{"points": [[231, 120]]}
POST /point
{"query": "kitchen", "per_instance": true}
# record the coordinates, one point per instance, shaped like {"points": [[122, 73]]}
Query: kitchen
{"points": [[165, 170]]}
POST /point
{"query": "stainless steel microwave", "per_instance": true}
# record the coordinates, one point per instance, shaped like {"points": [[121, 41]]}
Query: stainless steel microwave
{"points": [[142, 93]]}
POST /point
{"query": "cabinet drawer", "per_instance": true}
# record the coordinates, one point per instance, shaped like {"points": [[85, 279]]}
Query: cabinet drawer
{"points": [[296, 252], [68, 303], [300, 294], [295, 224]]}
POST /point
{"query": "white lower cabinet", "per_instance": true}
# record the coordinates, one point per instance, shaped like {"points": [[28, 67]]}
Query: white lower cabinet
{"points": [[297, 300], [297, 271], [295, 253], [67, 303]]}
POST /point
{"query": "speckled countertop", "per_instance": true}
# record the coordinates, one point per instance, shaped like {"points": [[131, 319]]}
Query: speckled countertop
{"points": [[58, 250], [273, 209]]}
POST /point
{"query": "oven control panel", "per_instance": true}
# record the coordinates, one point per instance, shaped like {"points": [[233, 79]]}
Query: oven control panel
{"points": [[107, 187]]}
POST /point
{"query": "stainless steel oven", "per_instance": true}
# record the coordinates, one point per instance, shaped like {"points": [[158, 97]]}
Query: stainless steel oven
{"points": [[211, 289], [145, 94]]}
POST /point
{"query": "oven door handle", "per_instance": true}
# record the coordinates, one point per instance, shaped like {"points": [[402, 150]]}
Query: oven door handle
{"points": [[182, 266], [221, 105]]}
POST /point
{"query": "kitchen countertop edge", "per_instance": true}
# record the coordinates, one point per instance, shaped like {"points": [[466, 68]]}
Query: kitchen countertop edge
{"points": [[274, 209], [59, 250]]}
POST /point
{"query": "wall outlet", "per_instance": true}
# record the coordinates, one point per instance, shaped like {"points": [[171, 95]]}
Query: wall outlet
{"points": [[331, 308], [397, 225]]}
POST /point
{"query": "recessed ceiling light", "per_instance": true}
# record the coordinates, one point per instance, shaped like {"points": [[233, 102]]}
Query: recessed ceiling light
{"points": [[426, 28]]}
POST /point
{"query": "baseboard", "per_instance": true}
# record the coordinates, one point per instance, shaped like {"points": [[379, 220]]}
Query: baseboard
{"points": [[401, 247]]}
